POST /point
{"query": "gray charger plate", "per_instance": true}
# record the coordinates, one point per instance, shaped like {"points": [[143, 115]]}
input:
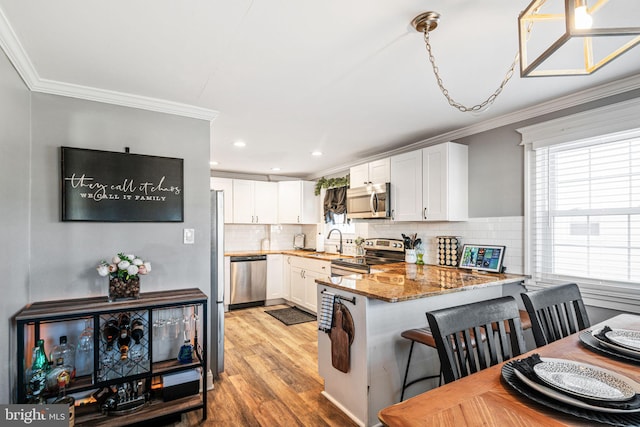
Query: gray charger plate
{"points": [[508, 375], [587, 339]]}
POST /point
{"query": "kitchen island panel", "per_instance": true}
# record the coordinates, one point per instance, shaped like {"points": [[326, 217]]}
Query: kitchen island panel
{"points": [[379, 354]]}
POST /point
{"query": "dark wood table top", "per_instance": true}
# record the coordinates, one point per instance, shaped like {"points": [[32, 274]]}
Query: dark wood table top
{"points": [[484, 399]]}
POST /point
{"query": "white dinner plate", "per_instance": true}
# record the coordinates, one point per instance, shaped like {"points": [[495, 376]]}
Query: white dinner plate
{"points": [[560, 397], [625, 338], [583, 380], [623, 350]]}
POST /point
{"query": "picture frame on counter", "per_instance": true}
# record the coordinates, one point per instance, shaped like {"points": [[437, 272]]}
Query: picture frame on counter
{"points": [[482, 257], [107, 186]]}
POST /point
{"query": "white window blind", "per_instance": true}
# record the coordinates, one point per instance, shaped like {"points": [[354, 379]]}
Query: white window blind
{"points": [[585, 212]]}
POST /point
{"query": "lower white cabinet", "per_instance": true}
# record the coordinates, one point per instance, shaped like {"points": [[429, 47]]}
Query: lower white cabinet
{"points": [[303, 275], [275, 282]]}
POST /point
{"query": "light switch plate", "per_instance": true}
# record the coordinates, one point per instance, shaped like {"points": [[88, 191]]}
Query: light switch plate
{"points": [[189, 236]]}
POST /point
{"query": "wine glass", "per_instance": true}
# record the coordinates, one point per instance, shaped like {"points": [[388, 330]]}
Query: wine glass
{"points": [[84, 350]]}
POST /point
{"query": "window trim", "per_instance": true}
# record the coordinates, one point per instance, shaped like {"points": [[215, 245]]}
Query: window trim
{"points": [[615, 121]]}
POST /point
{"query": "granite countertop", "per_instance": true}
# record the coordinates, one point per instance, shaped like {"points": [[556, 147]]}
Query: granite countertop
{"points": [[324, 256], [401, 282]]}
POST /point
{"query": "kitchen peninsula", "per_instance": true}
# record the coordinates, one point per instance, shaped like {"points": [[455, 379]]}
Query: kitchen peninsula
{"points": [[393, 299]]}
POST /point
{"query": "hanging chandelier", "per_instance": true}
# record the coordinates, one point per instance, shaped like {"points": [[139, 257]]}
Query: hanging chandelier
{"points": [[575, 37]]}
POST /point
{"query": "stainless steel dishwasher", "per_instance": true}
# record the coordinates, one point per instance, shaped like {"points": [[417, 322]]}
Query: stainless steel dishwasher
{"points": [[248, 281]]}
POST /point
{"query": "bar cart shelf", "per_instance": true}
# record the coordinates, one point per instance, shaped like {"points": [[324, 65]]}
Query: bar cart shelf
{"points": [[98, 310]]}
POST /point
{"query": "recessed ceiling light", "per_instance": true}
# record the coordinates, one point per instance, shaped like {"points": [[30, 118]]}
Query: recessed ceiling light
{"points": [[275, 169], [316, 153], [239, 144], [213, 163]]}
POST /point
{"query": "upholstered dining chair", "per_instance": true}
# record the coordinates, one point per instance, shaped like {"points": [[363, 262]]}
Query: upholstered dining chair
{"points": [[555, 312], [454, 330]]}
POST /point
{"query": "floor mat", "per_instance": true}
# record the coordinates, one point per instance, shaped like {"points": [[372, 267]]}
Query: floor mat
{"points": [[291, 315]]}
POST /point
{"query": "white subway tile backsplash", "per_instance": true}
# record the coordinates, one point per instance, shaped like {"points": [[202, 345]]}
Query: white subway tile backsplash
{"points": [[507, 231]]}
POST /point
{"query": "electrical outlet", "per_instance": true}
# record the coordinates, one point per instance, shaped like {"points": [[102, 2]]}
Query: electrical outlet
{"points": [[188, 236]]}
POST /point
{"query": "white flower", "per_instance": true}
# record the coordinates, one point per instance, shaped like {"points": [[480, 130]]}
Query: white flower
{"points": [[130, 257], [137, 261], [116, 259], [103, 270], [132, 269], [148, 266], [123, 265]]}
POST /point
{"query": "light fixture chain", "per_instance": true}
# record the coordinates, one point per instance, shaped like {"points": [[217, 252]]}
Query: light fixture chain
{"points": [[445, 92]]}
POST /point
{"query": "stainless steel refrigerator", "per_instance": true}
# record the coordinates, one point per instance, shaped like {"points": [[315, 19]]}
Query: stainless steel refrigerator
{"points": [[216, 353]]}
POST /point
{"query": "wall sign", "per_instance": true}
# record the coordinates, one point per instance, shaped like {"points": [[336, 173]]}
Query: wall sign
{"points": [[108, 186]]}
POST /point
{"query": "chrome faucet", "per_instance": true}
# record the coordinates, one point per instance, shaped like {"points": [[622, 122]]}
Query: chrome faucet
{"points": [[329, 236]]}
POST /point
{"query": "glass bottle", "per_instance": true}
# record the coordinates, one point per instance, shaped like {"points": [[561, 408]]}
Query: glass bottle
{"points": [[185, 355], [84, 351], [110, 333], [37, 374], [67, 352], [137, 330], [60, 376], [124, 337]]}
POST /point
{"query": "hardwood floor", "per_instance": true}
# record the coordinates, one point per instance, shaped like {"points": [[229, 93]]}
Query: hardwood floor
{"points": [[270, 377]]}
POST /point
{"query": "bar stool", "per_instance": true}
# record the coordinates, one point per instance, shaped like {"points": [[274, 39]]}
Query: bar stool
{"points": [[425, 337], [422, 336]]}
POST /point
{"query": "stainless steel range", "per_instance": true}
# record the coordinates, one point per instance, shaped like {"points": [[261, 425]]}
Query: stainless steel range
{"points": [[377, 252]]}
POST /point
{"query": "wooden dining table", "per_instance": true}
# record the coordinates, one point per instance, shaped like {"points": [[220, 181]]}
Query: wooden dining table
{"points": [[485, 399]]}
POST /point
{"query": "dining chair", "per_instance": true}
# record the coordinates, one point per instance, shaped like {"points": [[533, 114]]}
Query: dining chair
{"points": [[555, 312], [454, 330]]}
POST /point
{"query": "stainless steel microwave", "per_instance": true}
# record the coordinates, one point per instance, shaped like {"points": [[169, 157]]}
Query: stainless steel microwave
{"points": [[369, 201]]}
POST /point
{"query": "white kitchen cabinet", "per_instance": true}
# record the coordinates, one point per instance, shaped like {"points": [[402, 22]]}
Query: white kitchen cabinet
{"points": [[445, 191], [275, 285], [406, 186], [376, 172], [304, 272], [297, 295], [226, 186], [254, 202], [430, 184], [286, 277], [297, 203]]}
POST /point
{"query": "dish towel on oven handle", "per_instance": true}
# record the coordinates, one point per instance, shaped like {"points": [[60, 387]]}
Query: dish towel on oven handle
{"points": [[326, 311]]}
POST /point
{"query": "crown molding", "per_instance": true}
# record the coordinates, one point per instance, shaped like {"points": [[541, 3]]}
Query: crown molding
{"points": [[14, 50], [593, 94], [123, 99]]}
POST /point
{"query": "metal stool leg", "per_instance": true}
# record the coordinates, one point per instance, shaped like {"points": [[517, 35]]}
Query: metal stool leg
{"points": [[406, 374]]}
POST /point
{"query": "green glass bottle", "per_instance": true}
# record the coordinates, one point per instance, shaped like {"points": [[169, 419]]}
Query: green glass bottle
{"points": [[38, 372]]}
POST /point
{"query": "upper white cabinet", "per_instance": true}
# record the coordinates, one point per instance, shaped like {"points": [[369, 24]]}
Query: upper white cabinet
{"points": [[377, 172], [430, 184], [406, 186], [254, 202], [225, 185], [297, 203]]}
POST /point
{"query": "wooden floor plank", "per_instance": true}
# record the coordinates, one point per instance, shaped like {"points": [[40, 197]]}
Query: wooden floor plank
{"points": [[270, 378]]}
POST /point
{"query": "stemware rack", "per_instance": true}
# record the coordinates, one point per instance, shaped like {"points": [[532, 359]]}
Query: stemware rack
{"points": [[142, 366]]}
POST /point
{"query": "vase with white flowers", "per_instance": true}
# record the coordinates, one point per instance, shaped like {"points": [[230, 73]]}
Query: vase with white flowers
{"points": [[124, 273]]}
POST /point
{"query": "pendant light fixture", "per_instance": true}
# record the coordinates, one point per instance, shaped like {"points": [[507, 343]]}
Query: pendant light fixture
{"points": [[427, 22], [575, 37]]}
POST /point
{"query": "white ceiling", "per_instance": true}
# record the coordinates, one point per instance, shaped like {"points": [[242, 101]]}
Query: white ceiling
{"points": [[348, 78]]}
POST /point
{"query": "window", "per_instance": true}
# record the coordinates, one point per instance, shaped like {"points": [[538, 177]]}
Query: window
{"points": [[582, 196], [586, 211]]}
